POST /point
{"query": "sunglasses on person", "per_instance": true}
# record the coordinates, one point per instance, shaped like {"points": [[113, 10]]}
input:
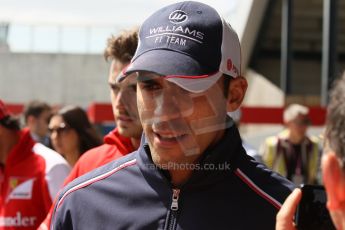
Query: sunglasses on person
{"points": [[59, 129]]}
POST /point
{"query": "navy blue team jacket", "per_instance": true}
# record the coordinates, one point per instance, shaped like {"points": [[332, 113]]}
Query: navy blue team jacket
{"points": [[228, 191]]}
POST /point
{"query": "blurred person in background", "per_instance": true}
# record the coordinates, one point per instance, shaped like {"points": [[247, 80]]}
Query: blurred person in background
{"points": [[333, 164], [72, 133], [251, 151], [293, 153], [125, 138], [30, 175], [36, 117]]}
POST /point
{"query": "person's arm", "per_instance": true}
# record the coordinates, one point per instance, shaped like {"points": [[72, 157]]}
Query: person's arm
{"points": [[285, 217]]}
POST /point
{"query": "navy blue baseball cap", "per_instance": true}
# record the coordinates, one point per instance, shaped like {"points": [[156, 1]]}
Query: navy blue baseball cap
{"points": [[189, 44]]}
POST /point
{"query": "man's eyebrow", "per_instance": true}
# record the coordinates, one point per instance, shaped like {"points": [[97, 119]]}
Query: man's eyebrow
{"points": [[132, 84], [146, 78], [113, 84]]}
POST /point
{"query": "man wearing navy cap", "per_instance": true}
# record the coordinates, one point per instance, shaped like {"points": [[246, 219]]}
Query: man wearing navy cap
{"points": [[191, 171]]}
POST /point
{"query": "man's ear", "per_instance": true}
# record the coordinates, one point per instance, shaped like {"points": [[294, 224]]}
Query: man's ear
{"points": [[334, 180], [237, 89]]}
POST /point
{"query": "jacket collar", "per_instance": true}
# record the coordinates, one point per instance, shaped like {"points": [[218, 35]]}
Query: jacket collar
{"points": [[123, 144], [223, 156]]}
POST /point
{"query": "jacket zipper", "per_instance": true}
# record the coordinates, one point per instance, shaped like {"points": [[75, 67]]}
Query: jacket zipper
{"points": [[174, 203], [173, 210]]}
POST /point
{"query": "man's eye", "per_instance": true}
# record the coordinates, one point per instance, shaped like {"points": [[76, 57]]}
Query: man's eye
{"points": [[133, 87], [114, 87], [150, 86], [148, 83]]}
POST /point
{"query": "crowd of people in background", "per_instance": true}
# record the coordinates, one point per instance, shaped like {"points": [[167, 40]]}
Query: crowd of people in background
{"points": [[156, 117]]}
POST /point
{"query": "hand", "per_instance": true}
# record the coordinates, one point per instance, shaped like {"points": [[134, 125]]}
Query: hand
{"points": [[285, 216]]}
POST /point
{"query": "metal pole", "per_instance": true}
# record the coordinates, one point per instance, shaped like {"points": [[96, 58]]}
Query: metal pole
{"points": [[286, 51], [329, 45]]}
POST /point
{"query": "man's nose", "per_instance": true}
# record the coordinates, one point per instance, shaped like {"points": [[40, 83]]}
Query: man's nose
{"points": [[122, 98], [53, 134], [172, 105]]}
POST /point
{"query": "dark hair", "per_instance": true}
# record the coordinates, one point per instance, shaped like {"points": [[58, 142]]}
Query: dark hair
{"points": [[76, 118], [335, 122], [122, 47], [226, 82], [10, 122], [35, 108]]}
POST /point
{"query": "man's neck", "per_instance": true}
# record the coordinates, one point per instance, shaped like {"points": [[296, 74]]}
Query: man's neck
{"points": [[180, 177], [72, 158], [37, 137], [295, 139]]}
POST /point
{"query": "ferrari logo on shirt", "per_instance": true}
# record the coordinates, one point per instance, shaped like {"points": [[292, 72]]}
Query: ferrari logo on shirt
{"points": [[20, 188], [13, 183]]}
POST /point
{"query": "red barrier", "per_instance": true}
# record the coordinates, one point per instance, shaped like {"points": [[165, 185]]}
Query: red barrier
{"points": [[274, 115], [15, 109], [102, 112]]}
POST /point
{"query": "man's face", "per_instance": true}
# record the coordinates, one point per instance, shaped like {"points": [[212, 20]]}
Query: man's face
{"points": [[178, 124], [41, 123], [299, 125], [123, 100]]}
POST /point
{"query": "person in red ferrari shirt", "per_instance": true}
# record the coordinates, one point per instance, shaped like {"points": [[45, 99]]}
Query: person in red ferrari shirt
{"points": [[30, 175], [125, 138]]}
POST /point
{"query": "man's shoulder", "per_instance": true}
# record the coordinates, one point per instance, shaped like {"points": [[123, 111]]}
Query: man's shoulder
{"points": [[273, 140], [97, 157], [50, 157], [98, 152], [264, 182], [314, 139], [98, 174]]}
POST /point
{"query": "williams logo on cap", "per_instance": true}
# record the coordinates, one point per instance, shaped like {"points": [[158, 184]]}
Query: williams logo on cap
{"points": [[178, 16]]}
